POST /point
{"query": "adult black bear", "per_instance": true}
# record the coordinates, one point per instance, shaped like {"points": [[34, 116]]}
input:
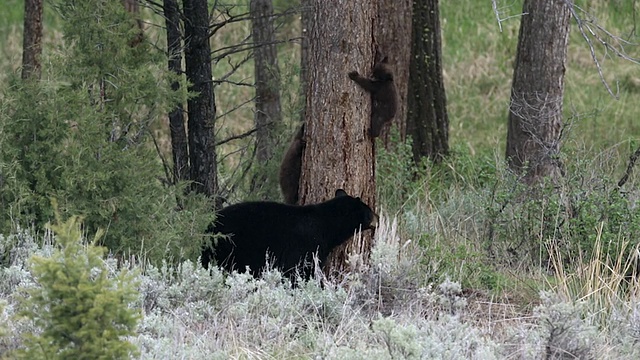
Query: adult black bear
{"points": [[288, 235], [291, 167], [383, 95]]}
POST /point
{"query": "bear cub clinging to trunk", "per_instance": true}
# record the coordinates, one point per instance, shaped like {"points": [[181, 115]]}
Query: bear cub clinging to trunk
{"points": [[291, 167], [383, 95]]}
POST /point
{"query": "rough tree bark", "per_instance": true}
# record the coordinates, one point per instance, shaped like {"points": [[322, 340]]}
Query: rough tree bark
{"points": [[427, 119], [338, 151], [176, 116], [201, 109], [393, 36], [535, 111], [32, 39]]}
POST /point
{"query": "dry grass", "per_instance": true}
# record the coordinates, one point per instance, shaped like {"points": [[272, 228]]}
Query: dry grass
{"points": [[605, 284]]}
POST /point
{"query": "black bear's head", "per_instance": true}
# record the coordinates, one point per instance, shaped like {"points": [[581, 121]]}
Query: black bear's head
{"points": [[381, 70], [356, 211]]}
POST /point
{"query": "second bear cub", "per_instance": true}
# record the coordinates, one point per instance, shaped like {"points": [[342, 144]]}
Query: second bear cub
{"points": [[383, 95]]}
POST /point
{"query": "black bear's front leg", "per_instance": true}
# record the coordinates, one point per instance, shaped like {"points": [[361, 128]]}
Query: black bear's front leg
{"points": [[365, 83]]}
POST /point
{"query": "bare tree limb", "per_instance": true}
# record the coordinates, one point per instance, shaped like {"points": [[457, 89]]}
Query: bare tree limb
{"points": [[237, 107], [236, 137], [235, 180], [224, 17], [243, 135], [498, 10], [632, 162], [230, 82], [592, 33], [165, 165], [234, 67], [220, 53], [611, 43], [242, 46]]}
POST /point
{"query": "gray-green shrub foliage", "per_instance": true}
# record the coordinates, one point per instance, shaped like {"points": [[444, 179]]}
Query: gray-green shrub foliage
{"points": [[190, 312]]}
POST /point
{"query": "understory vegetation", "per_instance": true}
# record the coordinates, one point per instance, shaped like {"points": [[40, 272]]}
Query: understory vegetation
{"points": [[468, 262], [402, 304]]}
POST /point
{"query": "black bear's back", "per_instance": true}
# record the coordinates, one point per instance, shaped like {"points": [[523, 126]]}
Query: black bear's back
{"points": [[289, 234], [285, 231]]}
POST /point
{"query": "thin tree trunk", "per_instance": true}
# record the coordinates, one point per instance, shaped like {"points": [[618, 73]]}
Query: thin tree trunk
{"points": [[291, 165], [201, 108], [176, 116], [535, 111], [32, 39], [393, 36], [427, 119], [267, 75], [133, 7], [338, 151]]}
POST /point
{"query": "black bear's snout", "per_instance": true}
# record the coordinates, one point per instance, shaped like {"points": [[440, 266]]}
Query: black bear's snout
{"points": [[373, 222]]}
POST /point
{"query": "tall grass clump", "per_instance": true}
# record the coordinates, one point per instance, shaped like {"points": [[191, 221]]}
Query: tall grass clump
{"points": [[476, 210], [477, 221], [586, 314], [607, 295]]}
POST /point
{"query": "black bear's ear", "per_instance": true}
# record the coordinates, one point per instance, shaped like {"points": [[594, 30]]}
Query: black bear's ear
{"points": [[341, 192]]}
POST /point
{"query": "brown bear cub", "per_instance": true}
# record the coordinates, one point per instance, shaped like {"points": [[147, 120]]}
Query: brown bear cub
{"points": [[383, 95], [291, 167]]}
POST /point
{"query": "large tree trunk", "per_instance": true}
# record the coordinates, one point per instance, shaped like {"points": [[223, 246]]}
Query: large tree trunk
{"points": [[32, 39], [427, 119], [176, 116], [535, 111], [201, 108], [267, 76], [338, 151], [393, 36]]}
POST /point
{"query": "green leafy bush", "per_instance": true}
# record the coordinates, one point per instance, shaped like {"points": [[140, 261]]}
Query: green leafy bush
{"points": [[525, 224], [395, 173]]}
